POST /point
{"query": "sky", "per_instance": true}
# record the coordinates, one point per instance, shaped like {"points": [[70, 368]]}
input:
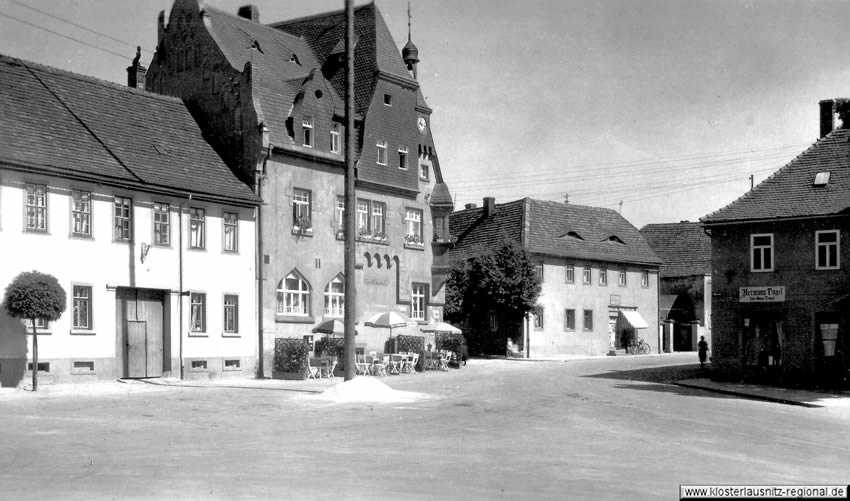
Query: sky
{"points": [[660, 109]]}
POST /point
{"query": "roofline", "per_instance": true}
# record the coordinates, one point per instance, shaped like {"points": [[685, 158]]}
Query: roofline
{"points": [[93, 80], [237, 16], [657, 264], [731, 222], [128, 185], [316, 16]]}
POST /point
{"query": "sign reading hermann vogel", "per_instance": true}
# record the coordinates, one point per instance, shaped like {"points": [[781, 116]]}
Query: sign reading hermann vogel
{"points": [[771, 294]]}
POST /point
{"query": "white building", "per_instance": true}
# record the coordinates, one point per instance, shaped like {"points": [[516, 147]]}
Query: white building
{"points": [[113, 191]]}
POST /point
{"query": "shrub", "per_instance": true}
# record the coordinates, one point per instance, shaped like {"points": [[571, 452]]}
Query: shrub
{"points": [[290, 355], [332, 347], [454, 343]]}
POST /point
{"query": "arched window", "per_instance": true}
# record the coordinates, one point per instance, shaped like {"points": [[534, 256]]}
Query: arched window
{"points": [[293, 295], [335, 297]]}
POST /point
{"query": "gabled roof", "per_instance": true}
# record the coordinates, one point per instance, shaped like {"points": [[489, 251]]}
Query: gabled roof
{"points": [[65, 124], [543, 227], [790, 191], [599, 228], [375, 49], [684, 248]]}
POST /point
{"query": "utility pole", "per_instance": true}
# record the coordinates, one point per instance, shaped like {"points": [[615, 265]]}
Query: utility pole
{"points": [[350, 197]]}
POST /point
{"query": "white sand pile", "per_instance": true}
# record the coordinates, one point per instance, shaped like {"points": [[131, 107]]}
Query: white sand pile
{"points": [[367, 389]]}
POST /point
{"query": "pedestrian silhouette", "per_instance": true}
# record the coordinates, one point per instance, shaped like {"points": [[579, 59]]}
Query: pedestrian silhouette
{"points": [[702, 350]]}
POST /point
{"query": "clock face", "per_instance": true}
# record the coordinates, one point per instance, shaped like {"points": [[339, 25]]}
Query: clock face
{"points": [[422, 124]]}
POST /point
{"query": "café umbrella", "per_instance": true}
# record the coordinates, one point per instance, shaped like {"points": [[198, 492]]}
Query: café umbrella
{"points": [[388, 319], [331, 326], [440, 327]]}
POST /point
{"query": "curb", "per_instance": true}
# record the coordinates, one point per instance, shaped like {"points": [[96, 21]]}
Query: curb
{"points": [[750, 396]]}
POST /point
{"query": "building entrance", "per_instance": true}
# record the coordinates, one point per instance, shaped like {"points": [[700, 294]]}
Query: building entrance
{"points": [[140, 317]]}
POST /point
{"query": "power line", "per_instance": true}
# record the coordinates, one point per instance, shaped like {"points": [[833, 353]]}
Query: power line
{"points": [[122, 56], [48, 14]]}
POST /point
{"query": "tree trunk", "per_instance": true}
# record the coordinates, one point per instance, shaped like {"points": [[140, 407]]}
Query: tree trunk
{"points": [[34, 357]]}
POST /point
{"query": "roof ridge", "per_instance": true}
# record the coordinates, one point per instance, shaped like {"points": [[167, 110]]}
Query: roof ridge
{"points": [[269, 27], [783, 168], [86, 78], [317, 16]]}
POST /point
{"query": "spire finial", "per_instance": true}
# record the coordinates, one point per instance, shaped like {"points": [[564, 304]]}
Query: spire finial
{"points": [[408, 21]]}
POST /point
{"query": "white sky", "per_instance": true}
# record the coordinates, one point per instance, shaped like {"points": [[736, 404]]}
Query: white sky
{"points": [[666, 105]]}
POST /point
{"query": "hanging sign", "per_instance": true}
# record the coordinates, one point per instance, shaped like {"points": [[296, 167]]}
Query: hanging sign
{"points": [[769, 294]]}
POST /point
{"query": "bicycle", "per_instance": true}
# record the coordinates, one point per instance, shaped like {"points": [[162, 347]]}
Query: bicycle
{"points": [[639, 347]]}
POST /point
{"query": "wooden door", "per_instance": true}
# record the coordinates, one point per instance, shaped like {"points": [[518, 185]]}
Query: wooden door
{"points": [[136, 349], [149, 309]]}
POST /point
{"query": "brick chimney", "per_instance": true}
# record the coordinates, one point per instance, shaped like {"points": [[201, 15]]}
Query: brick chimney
{"points": [[249, 12], [136, 72], [470, 206], [489, 206], [827, 116]]}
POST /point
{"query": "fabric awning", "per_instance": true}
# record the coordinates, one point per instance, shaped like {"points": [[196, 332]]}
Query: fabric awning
{"points": [[634, 319]]}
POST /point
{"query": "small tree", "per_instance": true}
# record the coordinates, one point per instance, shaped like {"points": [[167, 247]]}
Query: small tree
{"points": [[499, 279], [33, 295]]}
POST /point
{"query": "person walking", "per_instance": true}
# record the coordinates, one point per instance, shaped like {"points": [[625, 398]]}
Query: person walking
{"points": [[702, 349]]}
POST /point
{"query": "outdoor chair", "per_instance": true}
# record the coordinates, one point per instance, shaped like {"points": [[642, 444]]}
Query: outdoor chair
{"points": [[312, 368], [410, 364], [396, 362], [328, 366], [445, 358], [379, 365], [361, 366]]}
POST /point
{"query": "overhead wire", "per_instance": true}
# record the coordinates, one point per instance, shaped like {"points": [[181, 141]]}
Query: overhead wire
{"points": [[122, 56]]}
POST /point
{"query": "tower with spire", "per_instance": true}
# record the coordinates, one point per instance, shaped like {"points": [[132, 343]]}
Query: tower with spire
{"points": [[410, 53]]}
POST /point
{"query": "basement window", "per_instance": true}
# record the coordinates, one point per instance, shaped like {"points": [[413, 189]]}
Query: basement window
{"points": [[822, 179], [82, 367], [232, 365], [42, 366], [199, 365]]}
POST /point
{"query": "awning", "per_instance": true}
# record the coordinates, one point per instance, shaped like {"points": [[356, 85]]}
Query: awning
{"points": [[634, 319]]}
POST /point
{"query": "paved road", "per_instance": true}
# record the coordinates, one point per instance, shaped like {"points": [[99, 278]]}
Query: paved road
{"points": [[588, 429]]}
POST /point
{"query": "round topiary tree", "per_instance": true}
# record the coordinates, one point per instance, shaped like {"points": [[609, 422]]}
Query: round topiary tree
{"points": [[33, 295]]}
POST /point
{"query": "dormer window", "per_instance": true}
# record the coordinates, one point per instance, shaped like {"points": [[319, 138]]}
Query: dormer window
{"points": [[382, 152], [388, 99], [402, 157], [572, 234], [615, 239], [822, 179], [307, 125], [294, 59]]}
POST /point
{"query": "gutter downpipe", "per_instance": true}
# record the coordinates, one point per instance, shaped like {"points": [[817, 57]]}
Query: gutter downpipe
{"points": [[180, 272], [258, 229]]}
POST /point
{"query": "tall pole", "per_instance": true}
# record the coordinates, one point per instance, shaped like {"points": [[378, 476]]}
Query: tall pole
{"points": [[350, 197]]}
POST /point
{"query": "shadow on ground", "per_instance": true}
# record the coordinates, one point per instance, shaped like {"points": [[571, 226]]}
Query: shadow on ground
{"points": [[664, 377]]}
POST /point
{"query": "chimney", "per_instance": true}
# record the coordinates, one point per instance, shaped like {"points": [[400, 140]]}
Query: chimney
{"points": [[470, 206], [249, 12], [489, 206], [136, 72], [827, 117]]}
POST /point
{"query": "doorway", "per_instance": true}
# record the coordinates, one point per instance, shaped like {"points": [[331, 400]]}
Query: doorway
{"points": [[140, 319]]}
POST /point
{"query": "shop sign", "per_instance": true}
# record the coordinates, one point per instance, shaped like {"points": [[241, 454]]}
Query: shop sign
{"points": [[770, 294]]}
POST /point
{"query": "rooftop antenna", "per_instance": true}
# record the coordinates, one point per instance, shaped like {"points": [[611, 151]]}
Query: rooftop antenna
{"points": [[566, 198], [621, 206]]}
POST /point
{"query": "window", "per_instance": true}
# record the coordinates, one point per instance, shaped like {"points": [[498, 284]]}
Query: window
{"points": [[82, 307], [197, 228], [378, 219], [538, 272], [424, 172], [161, 224], [603, 275], [762, 252], [339, 214], [644, 278], [123, 216], [621, 277], [569, 320], [362, 217], [335, 138], [198, 321], [413, 224], [569, 273], [585, 275], [335, 298], [301, 211], [826, 250], [538, 318], [402, 157], [494, 321], [36, 207], [588, 320], [231, 313], [388, 99], [40, 324], [382, 152], [293, 296], [81, 213], [417, 301], [307, 125], [231, 232]]}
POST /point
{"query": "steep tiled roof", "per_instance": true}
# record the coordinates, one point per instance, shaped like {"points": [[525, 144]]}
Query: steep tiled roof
{"points": [[790, 191], [375, 49], [554, 229], [473, 231], [69, 125], [441, 195], [604, 234], [684, 248]]}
